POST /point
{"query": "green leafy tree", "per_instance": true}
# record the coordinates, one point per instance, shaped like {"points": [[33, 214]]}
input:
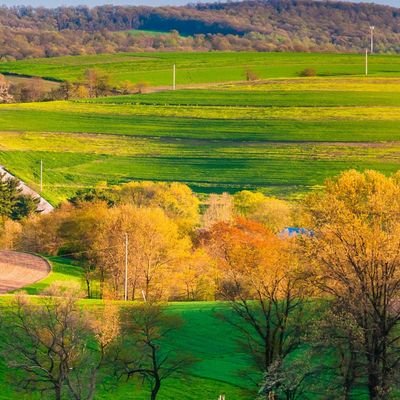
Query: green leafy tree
{"points": [[13, 204], [24, 206], [9, 193], [94, 194]]}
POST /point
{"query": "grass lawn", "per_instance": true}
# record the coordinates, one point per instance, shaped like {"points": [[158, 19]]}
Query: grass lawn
{"points": [[199, 68], [62, 270], [204, 336], [283, 135]]}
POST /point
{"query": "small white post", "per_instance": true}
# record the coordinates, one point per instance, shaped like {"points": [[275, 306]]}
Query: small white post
{"points": [[174, 77], [366, 62], [41, 176], [126, 267]]}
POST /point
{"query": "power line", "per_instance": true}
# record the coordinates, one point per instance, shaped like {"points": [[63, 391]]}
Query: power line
{"points": [[88, 251]]}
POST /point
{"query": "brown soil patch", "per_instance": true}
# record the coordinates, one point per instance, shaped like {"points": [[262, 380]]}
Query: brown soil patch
{"points": [[20, 269]]}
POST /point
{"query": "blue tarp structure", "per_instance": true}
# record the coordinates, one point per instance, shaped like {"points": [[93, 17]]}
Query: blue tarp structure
{"points": [[292, 231]]}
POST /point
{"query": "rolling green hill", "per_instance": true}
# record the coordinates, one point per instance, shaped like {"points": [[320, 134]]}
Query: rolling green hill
{"points": [[206, 337], [200, 68], [281, 136]]}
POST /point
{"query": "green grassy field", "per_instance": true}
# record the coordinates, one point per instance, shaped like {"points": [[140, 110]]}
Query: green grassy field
{"points": [[283, 136], [63, 270], [221, 365], [199, 68], [220, 361], [203, 335]]}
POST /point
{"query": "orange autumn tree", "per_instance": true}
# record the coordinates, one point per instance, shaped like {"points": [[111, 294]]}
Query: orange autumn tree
{"points": [[260, 278]]}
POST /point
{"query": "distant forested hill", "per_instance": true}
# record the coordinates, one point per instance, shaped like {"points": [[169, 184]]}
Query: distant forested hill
{"points": [[263, 25]]}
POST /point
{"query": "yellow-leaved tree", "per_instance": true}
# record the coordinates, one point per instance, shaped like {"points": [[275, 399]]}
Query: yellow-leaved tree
{"points": [[274, 213], [354, 257]]}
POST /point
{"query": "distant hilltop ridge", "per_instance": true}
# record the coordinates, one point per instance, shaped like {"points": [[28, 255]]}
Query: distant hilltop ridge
{"points": [[269, 25]]}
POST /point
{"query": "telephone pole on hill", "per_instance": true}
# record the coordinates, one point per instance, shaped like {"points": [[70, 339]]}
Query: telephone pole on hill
{"points": [[126, 268], [174, 77], [371, 29], [366, 62]]}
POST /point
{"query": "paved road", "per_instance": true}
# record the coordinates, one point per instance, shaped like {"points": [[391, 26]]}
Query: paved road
{"points": [[20, 269], [44, 206]]}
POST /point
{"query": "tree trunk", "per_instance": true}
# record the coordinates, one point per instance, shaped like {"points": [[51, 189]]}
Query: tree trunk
{"points": [[156, 388], [57, 392], [89, 294], [375, 389]]}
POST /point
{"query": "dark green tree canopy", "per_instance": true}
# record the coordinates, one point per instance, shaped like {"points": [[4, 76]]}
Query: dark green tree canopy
{"points": [[13, 203]]}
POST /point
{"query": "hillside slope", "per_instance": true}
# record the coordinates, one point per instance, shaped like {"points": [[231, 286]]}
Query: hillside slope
{"points": [[262, 25]]}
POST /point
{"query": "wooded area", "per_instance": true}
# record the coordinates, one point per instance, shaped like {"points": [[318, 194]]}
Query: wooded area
{"points": [[284, 25], [332, 290]]}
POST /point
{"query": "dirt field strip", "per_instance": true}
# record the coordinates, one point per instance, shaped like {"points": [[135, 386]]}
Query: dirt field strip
{"points": [[20, 269]]}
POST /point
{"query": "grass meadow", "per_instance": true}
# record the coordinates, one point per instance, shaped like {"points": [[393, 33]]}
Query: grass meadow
{"points": [[200, 68], [280, 136], [219, 358], [221, 366]]}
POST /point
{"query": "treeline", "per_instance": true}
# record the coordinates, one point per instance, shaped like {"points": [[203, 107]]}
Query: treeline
{"points": [[165, 232], [317, 311], [93, 83], [284, 25]]}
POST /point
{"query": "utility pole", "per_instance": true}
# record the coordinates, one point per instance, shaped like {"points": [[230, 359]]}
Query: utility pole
{"points": [[126, 267], [366, 62], [41, 176], [371, 29], [174, 77]]}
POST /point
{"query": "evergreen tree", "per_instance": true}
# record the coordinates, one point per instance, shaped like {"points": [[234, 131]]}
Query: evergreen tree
{"points": [[14, 204]]}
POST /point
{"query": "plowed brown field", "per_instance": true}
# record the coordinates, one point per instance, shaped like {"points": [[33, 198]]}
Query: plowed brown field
{"points": [[19, 269]]}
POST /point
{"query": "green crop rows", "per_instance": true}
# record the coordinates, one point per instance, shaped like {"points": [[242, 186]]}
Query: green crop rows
{"points": [[283, 136], [195, 68]]}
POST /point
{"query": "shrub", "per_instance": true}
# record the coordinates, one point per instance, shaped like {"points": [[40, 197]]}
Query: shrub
{"points": [[308, 72]]}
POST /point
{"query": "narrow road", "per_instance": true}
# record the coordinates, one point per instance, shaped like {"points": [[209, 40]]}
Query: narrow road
{"points": [[44, 206], [20, 269]]}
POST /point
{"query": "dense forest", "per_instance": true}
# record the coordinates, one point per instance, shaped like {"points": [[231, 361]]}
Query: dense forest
{"points": [[263, 25]]}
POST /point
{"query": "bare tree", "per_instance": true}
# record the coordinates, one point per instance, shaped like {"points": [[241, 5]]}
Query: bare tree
{"points": [[262, 282], [144, 351], [46, 343], [5, 96]]}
